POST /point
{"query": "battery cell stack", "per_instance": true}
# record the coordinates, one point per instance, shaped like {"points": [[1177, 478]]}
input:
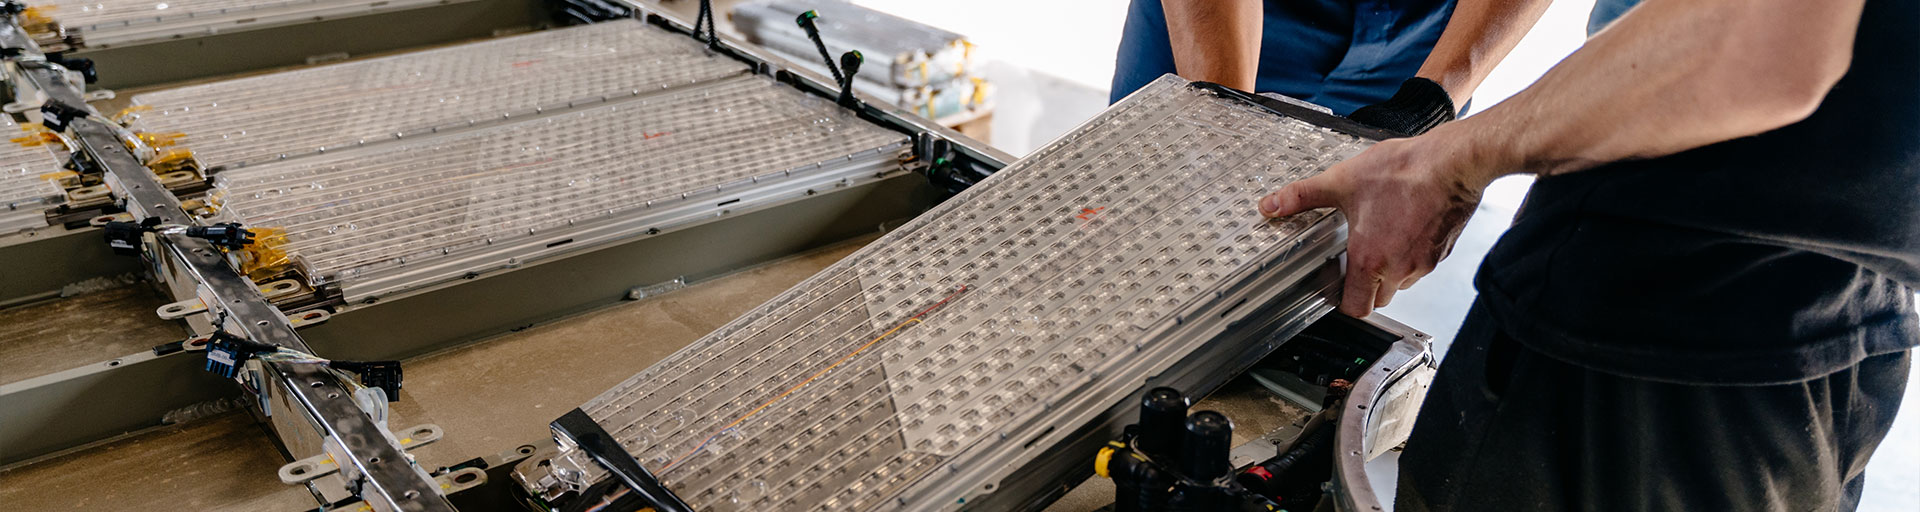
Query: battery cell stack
{"points": [[923, 69], [399, 172], [29, 171], [1058, 278], [390, 207], [283, 115]]}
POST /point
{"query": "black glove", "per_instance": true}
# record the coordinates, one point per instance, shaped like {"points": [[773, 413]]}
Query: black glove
{"points": [[1418, 106]]}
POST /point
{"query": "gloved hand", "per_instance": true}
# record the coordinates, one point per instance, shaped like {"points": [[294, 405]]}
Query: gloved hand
{"points": [[1418, 106]]}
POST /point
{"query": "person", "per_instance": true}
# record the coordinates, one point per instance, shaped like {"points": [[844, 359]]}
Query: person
{"points": [[1402, 65], [1706, 301]]}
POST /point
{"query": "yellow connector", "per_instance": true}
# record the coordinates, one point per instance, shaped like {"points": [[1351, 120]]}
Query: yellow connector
{"points": [[1101, 461]]}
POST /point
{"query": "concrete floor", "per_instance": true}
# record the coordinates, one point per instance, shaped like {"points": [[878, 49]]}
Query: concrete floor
{"points": [[105, 318]]}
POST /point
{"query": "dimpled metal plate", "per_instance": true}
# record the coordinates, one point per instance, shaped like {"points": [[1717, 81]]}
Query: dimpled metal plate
{"points": [[928, 344]]}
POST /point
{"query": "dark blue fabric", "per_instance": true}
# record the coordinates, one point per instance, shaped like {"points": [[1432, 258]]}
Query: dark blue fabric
{"points": [[1344, 54], [1605, 11]]}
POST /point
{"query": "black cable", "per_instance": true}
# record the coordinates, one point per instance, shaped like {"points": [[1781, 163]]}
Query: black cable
{"points": [[706, 18], [813, 32]]}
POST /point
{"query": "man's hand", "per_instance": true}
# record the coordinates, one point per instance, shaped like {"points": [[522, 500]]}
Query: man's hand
{"points": [[1669, 76], [1406, 200]]}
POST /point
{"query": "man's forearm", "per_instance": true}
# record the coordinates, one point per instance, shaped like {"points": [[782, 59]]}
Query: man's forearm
{"points": [[1669, 76], [1479, 34], [1215, 40]]}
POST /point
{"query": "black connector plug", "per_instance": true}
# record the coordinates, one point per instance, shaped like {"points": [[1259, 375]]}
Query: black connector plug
{"points": [[81, 65], [849, 64], [226, 352], [56, 115], [124, 237], [378, 374], [228, 235]]}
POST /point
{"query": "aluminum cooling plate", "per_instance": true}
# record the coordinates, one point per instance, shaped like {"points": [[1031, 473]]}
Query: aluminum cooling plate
{"points": [[403, 215], [923, 369], [328, 108]]}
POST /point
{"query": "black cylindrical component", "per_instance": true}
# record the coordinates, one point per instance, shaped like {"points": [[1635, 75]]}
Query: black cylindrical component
{"points": [[1163, 418], [1138, 485], [1209, 438], [1126, 495]]}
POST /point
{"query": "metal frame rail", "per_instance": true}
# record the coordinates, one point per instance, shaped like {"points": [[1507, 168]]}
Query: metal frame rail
{"points": [[375, 468]]}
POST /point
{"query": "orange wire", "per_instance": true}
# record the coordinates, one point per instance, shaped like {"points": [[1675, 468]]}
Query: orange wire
{"points": [[836, 364]]}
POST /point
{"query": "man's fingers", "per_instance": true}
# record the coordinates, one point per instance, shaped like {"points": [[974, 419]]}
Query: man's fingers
{"points": [[1300, 196], [1412, 278], [1357, 300], [1384, 296]]}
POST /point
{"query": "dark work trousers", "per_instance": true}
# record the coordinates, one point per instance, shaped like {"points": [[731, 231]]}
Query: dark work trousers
{"points": [[1507, 428]]}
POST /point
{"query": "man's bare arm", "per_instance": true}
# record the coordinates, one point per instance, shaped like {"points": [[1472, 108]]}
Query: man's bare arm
{"points": [[1669, 76], [1479, 34], [1215, 40]]}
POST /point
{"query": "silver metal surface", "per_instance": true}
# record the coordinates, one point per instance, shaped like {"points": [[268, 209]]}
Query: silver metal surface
{"points": [[1378, 416], [404, 215], [329, 108], [112, 23], [1037, 299]]}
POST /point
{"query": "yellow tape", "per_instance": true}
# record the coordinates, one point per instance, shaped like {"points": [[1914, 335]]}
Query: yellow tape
{"points": [[264, 257], [35, 140], [121, 116], [160, 139]]}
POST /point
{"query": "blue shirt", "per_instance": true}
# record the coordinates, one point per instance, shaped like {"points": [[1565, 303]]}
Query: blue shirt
{"points": [[1343, 54]]}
